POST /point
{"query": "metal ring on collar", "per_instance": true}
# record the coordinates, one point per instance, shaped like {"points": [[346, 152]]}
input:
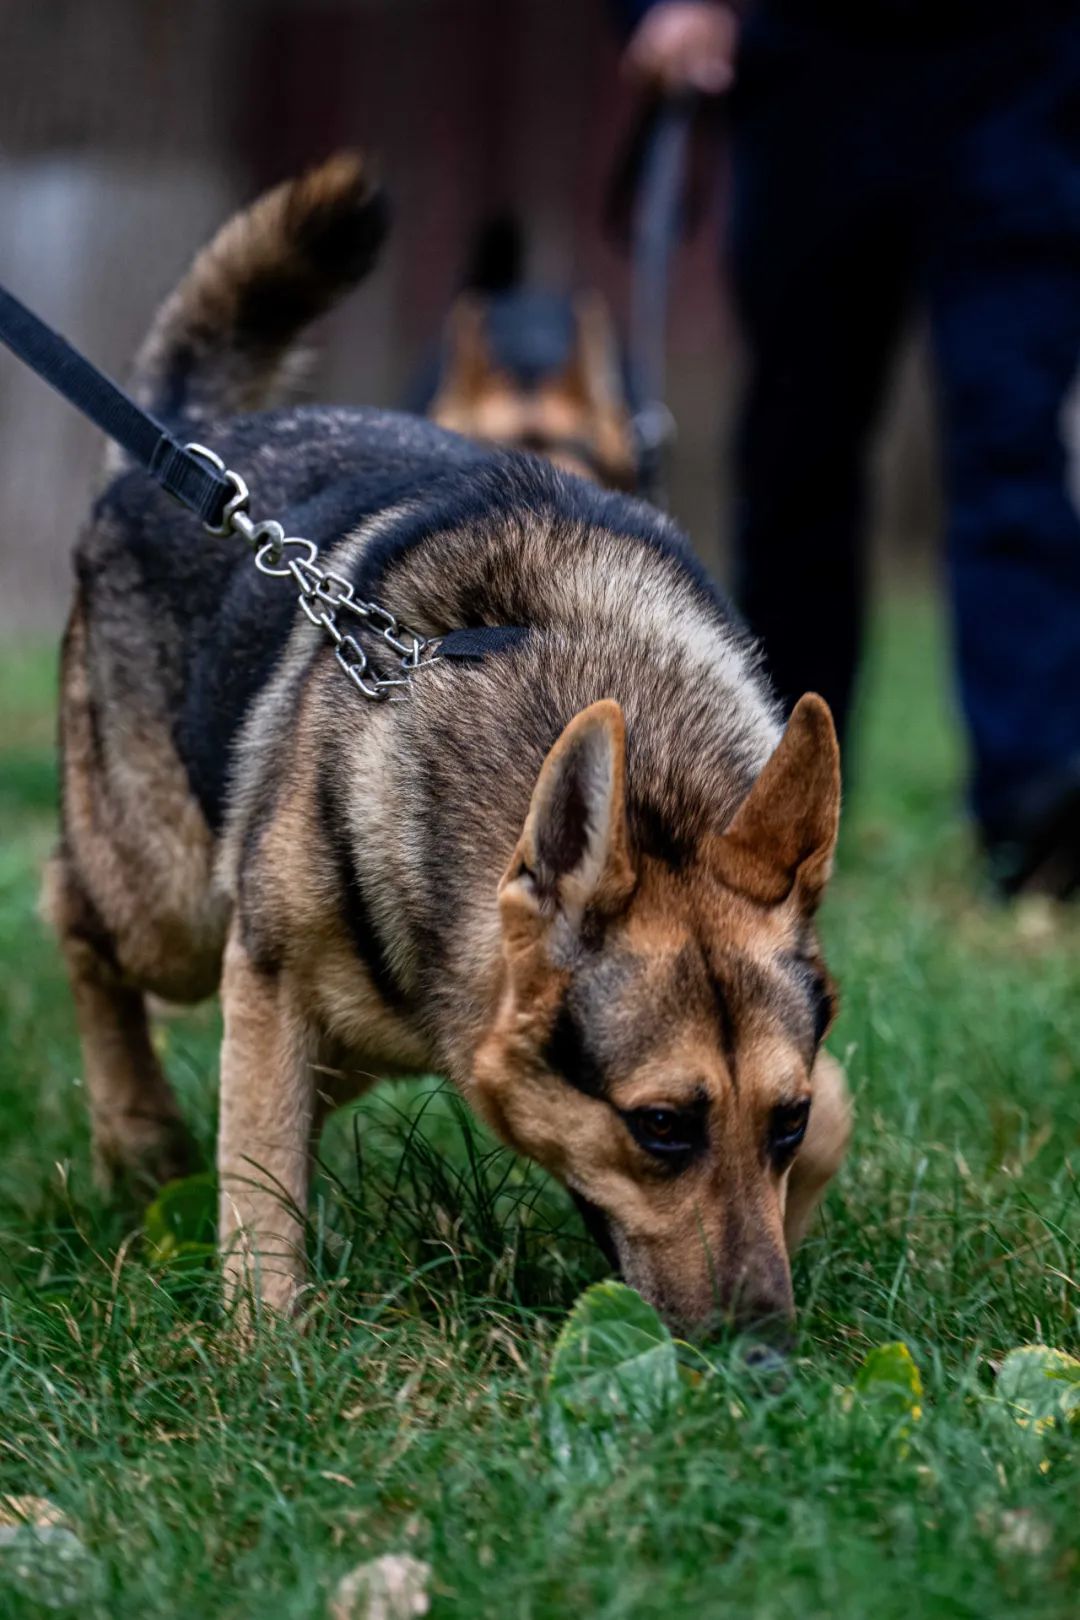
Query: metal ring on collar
{"points": [[274, 551]]}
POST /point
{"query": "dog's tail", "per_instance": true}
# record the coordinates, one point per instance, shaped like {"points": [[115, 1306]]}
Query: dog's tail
{"points": [[223, 340]]}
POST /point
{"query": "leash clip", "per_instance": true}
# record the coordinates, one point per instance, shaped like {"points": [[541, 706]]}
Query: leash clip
{"points": [[653, 427], [267, 539], [237, 504]]}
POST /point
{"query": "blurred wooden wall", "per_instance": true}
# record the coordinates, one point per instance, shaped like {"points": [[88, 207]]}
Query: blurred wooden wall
{"points": [[129, 128]]}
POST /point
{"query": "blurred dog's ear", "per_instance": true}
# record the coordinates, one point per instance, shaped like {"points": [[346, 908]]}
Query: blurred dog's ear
{"points": [[593, 372], [783, 835], [592, 378], [573, 854], [467, 363]]}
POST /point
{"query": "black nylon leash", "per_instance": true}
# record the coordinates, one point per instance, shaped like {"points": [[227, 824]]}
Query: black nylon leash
{"points": [[201, 482], [183, 473], [656, 226]]}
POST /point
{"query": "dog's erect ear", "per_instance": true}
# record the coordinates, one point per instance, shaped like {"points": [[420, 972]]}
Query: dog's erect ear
{"points": [[593, 372], [592, 380], [467, 362], [573, 853], [783, 834]]}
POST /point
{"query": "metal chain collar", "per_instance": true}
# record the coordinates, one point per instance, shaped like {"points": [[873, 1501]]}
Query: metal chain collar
{"points": [[323, 594]]}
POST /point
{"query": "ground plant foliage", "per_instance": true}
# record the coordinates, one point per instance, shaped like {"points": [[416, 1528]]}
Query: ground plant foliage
{"points": [[425, 1424]]}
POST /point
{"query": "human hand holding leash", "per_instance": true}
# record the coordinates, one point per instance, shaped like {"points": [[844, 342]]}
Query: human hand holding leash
{"points": [[684, 45]]}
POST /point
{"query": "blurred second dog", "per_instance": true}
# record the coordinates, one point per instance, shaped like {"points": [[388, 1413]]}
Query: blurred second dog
{"points": [[534, 370]]}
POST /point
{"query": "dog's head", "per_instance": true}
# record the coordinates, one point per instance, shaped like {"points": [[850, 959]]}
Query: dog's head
{"points": [[655, 1039], [539, 374]]}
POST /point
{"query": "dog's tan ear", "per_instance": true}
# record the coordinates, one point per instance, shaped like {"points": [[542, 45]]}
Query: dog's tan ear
{"points": [[783, 835], [593, 372], [573, 853], [467, 359], [592, 380]]}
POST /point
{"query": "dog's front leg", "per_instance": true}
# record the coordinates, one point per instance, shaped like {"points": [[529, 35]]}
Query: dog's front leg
{"points": [[822, 1151], [264, 1137]]}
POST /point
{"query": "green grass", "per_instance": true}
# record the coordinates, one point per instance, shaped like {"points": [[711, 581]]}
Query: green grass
{"points": [[411, 1415]]}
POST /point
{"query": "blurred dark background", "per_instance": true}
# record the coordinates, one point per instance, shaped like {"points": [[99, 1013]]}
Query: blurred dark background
{"points": [[130, 128]]}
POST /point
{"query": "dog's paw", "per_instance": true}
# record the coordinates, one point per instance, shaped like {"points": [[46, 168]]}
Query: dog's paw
{"points": [[143, 1155]]}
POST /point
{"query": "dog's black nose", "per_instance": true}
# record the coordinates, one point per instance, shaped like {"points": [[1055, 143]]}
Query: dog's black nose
{"points": [[765, 1360], [766, 1341]]}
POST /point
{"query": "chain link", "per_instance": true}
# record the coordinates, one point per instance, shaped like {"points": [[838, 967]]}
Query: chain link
{"points": [[324, 594]]}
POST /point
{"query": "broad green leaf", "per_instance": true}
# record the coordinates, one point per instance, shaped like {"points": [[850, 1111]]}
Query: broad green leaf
{"points": [[614, 1356], [180, 1223], [614, 1368], [1040, 1387], [890, 1377]]}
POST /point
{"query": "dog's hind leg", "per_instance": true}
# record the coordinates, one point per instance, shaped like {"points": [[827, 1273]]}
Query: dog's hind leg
{"points": [[823, 1150], [265, 1133], [136, 1123]]}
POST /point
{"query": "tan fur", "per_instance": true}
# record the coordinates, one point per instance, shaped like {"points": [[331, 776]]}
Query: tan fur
{"points": [[136, 1124], [822, 1153], [719, 1235], [603, 837], [265, 1133], [787, 826], [156, 890], [582, 405], [137, 852]]}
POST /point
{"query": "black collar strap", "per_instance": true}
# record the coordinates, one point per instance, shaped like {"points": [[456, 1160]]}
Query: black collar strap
{"points": [[189, 477], [476, 643]]}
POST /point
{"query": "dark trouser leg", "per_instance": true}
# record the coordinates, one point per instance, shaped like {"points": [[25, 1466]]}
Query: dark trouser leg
{"points": [[821, 259], [1004, 284]]}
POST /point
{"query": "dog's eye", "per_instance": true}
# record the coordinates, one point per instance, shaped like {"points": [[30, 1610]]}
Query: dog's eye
{"points": [[822, 1000], [787, 1127], [817, 986], [670, 1133], [824, 1006]]}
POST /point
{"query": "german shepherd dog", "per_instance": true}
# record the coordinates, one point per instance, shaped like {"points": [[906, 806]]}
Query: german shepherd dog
{"points": [[534, 370], [576, 872]]}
